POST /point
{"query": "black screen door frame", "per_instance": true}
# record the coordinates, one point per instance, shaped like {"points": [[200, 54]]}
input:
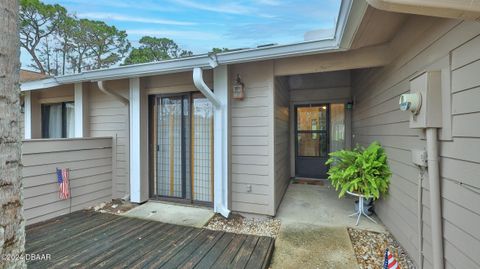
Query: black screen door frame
{"points": [[155, 103], [309, 172]]}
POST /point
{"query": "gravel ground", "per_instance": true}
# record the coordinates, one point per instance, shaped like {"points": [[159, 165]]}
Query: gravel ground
{"points": [[238, 224], [370, 249], [116, 206]]}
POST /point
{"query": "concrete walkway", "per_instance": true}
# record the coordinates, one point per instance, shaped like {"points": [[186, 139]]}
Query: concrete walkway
{"points": [[314, 229], [172, 213]]}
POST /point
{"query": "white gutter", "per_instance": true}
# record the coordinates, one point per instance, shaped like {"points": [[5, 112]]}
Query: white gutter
{"points": [[101, 86]]}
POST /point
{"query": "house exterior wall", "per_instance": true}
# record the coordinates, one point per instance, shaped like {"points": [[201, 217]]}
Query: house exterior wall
{"points": [[428, 44], [90, 164], [110, 117], [252, 150], [281, 138]]}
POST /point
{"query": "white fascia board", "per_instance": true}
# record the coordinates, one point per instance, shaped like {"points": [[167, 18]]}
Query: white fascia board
{"points": [[147, 69], [39, 84], [278, 51]]}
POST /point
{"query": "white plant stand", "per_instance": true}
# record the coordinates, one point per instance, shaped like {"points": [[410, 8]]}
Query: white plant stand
{"points": [[360, 211]]}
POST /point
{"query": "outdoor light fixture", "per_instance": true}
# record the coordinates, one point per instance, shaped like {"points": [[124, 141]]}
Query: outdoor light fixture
{"points": [[238, 89]]}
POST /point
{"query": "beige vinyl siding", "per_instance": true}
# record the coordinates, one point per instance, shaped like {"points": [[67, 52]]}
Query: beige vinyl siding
{"points": [[282, 135], [90, 164], [174, 83], [110, 117], [451, 46], [252, 140], [320, 88]]}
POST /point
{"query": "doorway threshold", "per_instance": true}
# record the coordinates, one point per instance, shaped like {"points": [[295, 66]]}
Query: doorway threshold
{"points": [[310, 181]]}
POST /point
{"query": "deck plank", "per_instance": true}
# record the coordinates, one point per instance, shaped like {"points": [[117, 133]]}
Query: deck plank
{"points": [[189, 249], [261, 254], [245, 252], [88, 239], [211, 257], [69, 232], [230, 252], [194, 259], [89, 245]]}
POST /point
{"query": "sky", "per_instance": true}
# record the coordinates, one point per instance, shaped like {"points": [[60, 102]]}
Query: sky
{"points": [[199, 26]]}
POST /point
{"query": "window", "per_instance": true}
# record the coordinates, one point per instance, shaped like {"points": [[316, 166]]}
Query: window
{"points": [[58, 120]]}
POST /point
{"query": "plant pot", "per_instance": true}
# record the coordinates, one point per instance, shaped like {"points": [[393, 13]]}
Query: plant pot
{"points": [[368, 207]]}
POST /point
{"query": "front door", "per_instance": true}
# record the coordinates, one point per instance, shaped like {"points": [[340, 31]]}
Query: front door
{"points": [[182, 148], [311, 140]]}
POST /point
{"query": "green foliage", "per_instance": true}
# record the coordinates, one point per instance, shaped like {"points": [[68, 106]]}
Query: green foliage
{"points": [[362, 170], [153, 49], [107, 44], [219, 50], [54, 38], [37, 22]]}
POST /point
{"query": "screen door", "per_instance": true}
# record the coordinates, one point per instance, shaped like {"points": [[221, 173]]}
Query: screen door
{"points": [[312, 140], [182, 133]]}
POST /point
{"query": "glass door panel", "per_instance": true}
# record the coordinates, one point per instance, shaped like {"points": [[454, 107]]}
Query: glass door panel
{"points": [[202, 149], [171, 181], [312, 140]]}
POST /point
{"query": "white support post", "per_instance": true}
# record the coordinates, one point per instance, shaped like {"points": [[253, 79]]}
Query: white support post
{"points": [[80, 110], [221, 141], [27, 123], [138, 143]]}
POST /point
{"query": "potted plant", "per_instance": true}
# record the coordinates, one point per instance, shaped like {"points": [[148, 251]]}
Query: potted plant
{"points": [[362, 171]]}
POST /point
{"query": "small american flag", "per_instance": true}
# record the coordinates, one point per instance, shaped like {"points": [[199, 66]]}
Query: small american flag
{"points": [[63, 184], [390, 262]]}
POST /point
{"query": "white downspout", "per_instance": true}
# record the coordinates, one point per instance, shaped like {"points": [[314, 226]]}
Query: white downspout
{"points": [[101, 86], [435, 198], [220, 138], [202, 86]]}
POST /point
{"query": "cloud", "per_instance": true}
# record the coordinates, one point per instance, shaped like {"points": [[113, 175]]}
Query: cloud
{"points": [[192, 35], [230, 8], [268, 2], [124, 4], [126, 18]]}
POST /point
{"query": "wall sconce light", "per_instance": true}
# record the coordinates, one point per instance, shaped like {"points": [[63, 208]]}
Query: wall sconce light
{"points": [[238, 89]]}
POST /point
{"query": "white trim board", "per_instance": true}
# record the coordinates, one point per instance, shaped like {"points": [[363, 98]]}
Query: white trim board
{"points": [[27, 122]]}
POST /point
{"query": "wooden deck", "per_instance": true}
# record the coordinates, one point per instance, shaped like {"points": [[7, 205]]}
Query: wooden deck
{"points": [[88, 239]]}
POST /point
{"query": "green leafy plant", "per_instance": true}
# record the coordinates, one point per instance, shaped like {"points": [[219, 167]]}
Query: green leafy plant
{"points": [[361, 170]]}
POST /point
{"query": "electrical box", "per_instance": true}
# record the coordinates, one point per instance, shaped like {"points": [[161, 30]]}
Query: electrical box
{"points": [[428, 86], [419, 157]]}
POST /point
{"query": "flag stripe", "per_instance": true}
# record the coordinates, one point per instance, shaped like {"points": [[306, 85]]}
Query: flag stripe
{"points": [[63, 184], [389, 261]]}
